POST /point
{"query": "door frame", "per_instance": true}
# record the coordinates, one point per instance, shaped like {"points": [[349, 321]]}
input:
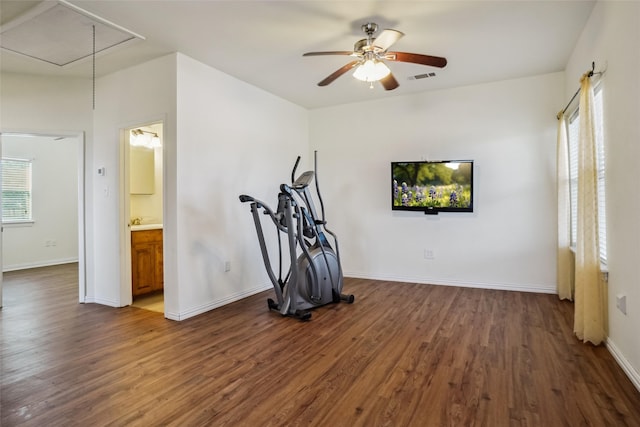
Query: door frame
{"points": [[82, 258], [126, 297]]}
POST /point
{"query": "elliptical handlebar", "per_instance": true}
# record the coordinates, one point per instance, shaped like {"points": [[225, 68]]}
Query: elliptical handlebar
{"points": [[276, 217], [315, 168], [293, 172]]}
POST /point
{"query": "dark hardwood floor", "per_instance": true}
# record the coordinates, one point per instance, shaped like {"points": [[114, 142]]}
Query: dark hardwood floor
{"points": [[401, 355]]}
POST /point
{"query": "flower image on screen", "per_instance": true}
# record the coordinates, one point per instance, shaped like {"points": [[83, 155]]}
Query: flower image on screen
{"points": [[441, 186]]}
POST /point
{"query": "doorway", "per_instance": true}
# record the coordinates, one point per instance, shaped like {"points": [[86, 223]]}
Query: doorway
{"points": [[144, 209], [52, 229]]}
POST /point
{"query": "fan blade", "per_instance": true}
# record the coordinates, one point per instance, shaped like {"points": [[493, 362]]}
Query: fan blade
{"points": [[387, 38], [338, 73], [416, 58], [389, 82], [337, 52]]}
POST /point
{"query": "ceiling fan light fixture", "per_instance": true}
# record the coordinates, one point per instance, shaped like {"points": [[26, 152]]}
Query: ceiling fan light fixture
{"points": [[371, 71]]}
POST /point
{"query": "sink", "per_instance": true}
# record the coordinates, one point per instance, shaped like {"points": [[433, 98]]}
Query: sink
{"points": [[142, 227]]}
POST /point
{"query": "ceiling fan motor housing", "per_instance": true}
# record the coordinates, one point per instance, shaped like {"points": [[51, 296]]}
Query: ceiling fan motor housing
{"points": [[360, 45], [369, 28]]}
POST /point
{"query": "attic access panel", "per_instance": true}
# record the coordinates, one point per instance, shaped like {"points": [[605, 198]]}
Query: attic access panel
{"points": [[60, 33]]}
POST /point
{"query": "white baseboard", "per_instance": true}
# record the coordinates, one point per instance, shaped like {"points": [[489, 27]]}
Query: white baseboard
{"points": [[29, 265], [102, 301], [547, 289], [628, 369], [536, 288], [194, 311]]}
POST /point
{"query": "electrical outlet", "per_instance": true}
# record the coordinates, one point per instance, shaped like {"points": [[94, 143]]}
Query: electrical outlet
{"points": [[227, 266], [428, 254]]}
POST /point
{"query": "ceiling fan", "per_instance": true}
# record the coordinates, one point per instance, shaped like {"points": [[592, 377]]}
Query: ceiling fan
{"points": [[370, 54]]}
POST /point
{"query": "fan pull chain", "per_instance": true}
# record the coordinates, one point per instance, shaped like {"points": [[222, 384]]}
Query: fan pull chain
{"points": [[94, 66]]}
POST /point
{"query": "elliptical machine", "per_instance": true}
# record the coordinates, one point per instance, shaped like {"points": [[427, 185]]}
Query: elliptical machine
{"points": [[315, 273]]}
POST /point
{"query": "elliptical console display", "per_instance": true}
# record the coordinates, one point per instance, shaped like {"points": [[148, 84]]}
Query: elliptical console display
{"points": [[315, 273]]}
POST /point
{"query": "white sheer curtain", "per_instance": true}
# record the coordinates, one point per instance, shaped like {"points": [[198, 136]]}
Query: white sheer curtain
{"points": [[564, 256], [589, 318]]}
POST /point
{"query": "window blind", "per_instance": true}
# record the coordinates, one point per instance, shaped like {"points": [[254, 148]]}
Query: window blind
{"points": [[573, 130], [600, 159], [16, 190]]}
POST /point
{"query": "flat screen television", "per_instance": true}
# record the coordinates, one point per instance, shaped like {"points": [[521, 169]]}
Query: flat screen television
{"points": [[432, 186]]}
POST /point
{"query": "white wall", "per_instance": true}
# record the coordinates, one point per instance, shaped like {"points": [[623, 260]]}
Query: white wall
{"points": [[45, 104], [507, 128], [53, 236], [51, 105], [232, 139], [611, 38], [138, 95], [217, 133]]}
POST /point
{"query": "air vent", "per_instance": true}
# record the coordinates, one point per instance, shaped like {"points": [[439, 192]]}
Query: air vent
{"points": [[422, 76], [60, 33]]}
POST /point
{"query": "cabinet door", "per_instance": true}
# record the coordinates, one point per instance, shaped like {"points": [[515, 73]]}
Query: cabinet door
{"points": [[158, 271], [143, 266]]}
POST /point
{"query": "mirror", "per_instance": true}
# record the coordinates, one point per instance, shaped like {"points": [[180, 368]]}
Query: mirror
{"points": [[141, 170]]}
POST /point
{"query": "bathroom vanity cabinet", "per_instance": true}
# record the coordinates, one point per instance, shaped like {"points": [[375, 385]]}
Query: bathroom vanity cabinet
{"points": [[146, 261]]}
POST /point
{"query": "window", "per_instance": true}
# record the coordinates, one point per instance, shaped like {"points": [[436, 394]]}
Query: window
{"points": [[16, 190], [572, 131]]}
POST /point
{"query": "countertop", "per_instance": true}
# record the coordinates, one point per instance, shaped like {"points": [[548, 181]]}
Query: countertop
{"points": [[141, 227]]}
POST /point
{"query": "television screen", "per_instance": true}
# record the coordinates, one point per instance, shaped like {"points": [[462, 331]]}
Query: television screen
{"points": [[432, 187]]}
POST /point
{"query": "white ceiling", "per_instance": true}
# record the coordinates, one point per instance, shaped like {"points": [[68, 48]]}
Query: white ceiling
{"points": [[262, 42]]}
